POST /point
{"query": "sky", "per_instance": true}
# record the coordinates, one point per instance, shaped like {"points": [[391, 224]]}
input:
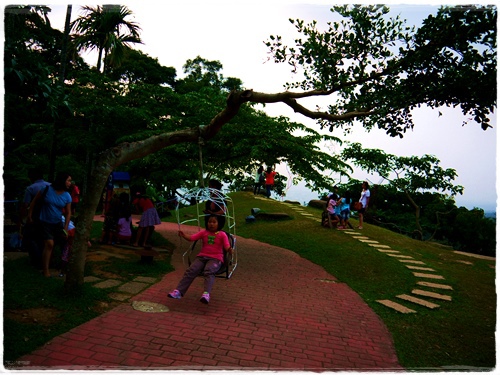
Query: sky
{"points": [[233, 32]]}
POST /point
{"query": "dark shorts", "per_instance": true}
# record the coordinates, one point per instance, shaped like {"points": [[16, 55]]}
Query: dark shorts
{"points": [[362, 211], [52, 231]]}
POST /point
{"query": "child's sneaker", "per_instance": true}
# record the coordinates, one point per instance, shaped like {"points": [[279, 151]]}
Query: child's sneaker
{"points": [[205, 297], [175, 294]]}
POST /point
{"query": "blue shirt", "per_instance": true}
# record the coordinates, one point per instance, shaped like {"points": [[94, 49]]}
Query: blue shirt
{"points": [[53, 206], [34, 188]]}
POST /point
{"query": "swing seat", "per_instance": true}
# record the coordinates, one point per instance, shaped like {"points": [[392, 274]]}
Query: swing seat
{"points": [[229, 260]]}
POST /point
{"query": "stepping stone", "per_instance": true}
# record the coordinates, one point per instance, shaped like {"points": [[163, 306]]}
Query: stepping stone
{"points": [[306, 214], [379, 246], [431, 294], [90, 279], [143, 279], [427, 275], [411, 261], [361, 237], [119, 296], [434, 285], [399, 256], [107, 284], [350, 231], [388, 251], [132, 287], [149, 307], [369, 241], [396, 306], [420, 268], [418, 301]]}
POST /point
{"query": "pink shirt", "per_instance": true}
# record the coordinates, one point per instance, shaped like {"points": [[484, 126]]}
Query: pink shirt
{"points": [[213, 243]]}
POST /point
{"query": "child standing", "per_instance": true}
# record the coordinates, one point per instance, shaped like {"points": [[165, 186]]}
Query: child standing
{"points": [[149, 219], [345, 210], [208, 261]]}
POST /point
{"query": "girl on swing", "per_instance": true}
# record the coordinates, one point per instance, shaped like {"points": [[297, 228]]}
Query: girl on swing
{"points": [[208, 261]]}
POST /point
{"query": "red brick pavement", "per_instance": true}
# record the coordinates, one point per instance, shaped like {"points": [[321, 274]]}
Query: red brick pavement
{"points": [[278, 312]]}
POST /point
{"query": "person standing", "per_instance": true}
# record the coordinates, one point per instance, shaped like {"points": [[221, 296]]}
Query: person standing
{"points": [[216, 205], [259, 180], [31, 232], [270, 175], [57, 201], [149, 219], [365, 200]]}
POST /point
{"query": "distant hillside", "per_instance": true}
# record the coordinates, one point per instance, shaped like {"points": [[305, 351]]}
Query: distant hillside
{"points": [[491, 215]]}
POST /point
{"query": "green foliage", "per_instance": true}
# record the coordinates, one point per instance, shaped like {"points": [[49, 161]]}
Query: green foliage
{"points": [[407, 174], [380, 69], [105, 29]]}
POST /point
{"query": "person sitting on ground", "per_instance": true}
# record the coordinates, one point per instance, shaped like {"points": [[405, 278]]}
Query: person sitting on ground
{"points": [[208, 261], [123, 232], [330, 210]]}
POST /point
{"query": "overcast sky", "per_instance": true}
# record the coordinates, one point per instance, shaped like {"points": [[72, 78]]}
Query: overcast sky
{"points": [[233, 33]]}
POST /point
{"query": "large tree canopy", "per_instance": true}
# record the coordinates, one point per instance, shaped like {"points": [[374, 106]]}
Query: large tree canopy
{"points": [[374, 69], [377, 70]]}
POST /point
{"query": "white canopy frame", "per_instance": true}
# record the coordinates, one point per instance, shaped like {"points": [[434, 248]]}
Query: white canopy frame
{"points": [[200, 196]]}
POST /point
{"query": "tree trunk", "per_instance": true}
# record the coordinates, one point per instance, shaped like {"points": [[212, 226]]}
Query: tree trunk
{"points": [[121, 154]]}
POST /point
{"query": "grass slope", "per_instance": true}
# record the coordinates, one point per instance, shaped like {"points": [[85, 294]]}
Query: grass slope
{"points": [[459, 333]]}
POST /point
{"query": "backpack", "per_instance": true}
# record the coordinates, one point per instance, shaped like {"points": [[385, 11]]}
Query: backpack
{"points": [[262, 179], [37, 209]]}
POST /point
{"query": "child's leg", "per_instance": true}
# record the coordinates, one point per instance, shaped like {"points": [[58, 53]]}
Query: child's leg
{"points": [[211, 267], [138, 237], [190, 274]]}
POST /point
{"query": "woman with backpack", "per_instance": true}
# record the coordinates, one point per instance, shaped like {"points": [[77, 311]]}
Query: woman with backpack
{"points": [[56, 201]]}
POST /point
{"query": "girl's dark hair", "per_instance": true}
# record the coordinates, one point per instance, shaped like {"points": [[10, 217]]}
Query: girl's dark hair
{"points": [[269, 169], [59, 182], [219, 219], [261, 169]]}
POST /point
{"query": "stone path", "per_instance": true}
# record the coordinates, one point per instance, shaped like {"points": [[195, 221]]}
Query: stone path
{"points": [[420, 272]]}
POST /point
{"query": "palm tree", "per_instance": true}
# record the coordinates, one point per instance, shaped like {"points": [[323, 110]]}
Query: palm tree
{"points": [[104, 29]]}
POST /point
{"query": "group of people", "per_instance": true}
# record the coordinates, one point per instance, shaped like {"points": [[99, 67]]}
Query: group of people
{"points": [[338, 208], [118, 226], [264, 178]]}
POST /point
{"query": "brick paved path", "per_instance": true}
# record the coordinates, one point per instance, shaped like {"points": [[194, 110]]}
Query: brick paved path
{"points": [[278, 312]]}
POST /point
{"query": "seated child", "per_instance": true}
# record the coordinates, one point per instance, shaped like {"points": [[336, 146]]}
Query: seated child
{"points": [[331, 210], [123, 232], [209, 260]]}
